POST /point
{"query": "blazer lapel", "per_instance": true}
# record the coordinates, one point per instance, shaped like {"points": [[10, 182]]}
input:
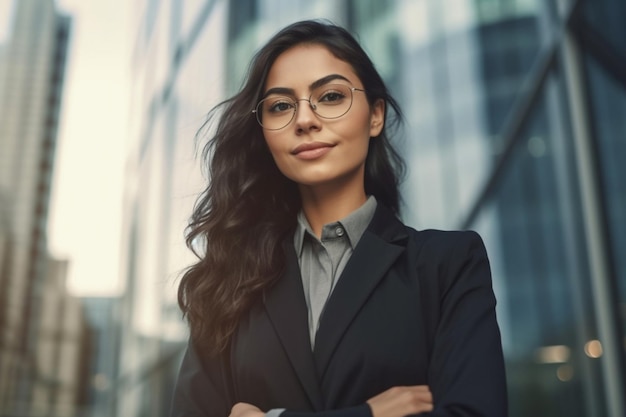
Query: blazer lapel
{"points": [[381, 244], [286, 307]]}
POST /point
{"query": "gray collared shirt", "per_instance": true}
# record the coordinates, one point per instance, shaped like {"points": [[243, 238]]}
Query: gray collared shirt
{"points": [[322, 260]]}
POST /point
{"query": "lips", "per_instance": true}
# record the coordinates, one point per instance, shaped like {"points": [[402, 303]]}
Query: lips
{"points": [[312, 150], [310, 146]]}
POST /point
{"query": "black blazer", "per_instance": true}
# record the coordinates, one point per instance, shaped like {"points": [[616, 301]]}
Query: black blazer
{"points": [[410, 308]]}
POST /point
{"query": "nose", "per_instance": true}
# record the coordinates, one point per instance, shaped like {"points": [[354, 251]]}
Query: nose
{"points": [[305, 118]]}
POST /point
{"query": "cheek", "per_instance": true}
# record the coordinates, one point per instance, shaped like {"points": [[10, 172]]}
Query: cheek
{"points": [[359, 121], [356, 132]]}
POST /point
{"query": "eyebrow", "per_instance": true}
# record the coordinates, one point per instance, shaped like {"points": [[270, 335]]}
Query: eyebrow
{"points": [[312, 86]]}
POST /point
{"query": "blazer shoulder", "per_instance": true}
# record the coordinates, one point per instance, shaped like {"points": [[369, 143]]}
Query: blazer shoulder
{"points": [[436, 244], [442, 258]]}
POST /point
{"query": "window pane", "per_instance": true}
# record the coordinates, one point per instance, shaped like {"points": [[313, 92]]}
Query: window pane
{"points": [[607, 17], [532, 229], [457, 67]]}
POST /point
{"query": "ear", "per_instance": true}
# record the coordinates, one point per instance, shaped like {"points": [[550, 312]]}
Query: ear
{"points": [[377, 118]]}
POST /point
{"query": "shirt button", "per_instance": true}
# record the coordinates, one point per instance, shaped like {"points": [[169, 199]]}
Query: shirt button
{"points": [[339, 231]]}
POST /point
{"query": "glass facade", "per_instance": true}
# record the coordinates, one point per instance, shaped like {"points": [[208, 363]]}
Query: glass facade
{"points": [[532, 228], [515, 119], [177, 77]]}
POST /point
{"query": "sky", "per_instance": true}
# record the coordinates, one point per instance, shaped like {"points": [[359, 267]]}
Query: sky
{"points": [[86, 205], [5, 7]]}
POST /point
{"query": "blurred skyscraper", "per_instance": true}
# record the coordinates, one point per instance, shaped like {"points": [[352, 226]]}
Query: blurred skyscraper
{"points": [[102, 313], [42, 328], [515, 127]]}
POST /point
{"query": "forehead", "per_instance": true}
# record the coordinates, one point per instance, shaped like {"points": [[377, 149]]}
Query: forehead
{"points": [[302, 65]]}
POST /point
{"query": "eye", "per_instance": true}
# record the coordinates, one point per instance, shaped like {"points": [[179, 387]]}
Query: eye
{"points": [[279, 105], [331, 97]]}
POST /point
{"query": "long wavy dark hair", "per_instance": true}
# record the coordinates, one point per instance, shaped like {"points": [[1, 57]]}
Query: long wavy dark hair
{"points": [[249, 208]]}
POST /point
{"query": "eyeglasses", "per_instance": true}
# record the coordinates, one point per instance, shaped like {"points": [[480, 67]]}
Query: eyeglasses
{"points": [[329, 101]]}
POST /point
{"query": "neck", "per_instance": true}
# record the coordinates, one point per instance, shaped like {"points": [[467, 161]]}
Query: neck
{"points": [[326, 204]]}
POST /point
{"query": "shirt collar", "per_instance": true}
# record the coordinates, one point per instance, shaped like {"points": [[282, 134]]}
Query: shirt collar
{"points": [[354, 224]]}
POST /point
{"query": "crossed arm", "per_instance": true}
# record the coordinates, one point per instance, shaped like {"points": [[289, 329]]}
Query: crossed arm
{"points": [[394, 402]]}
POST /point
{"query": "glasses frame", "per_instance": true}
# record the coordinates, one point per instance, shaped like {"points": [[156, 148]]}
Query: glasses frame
{"points": [[313, 107]]}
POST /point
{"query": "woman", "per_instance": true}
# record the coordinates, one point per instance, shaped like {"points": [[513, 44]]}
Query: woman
{"points": [[310, 296]]}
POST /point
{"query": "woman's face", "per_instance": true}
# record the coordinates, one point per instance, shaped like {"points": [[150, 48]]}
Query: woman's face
{"points": [[314, 151]]}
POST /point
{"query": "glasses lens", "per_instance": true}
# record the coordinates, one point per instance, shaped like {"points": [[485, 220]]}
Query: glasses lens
{"points": [[332, 100], [275, 112], [329, 101]]}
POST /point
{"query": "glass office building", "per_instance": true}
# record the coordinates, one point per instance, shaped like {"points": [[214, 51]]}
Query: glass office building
{"points": [[515, 119]]}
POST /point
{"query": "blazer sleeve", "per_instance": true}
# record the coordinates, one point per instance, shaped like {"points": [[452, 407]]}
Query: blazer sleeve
{"points": [[203, 387], [466, 370]]}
